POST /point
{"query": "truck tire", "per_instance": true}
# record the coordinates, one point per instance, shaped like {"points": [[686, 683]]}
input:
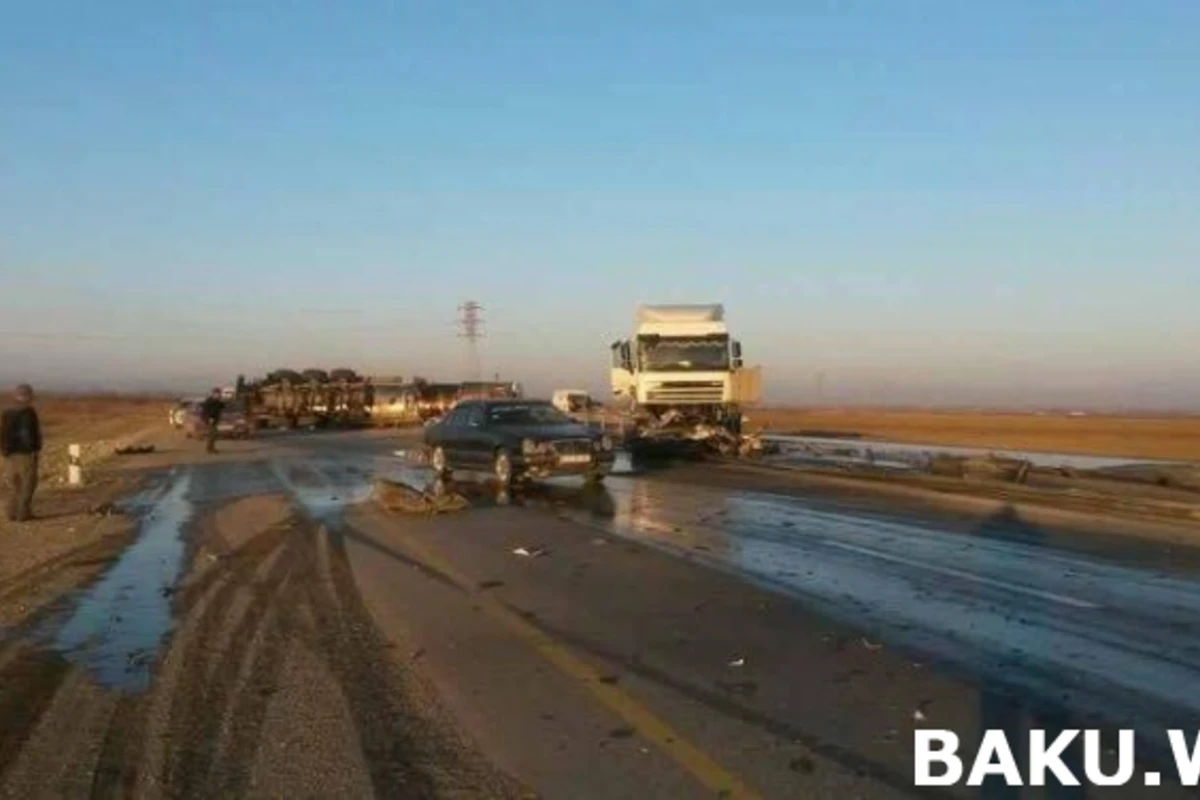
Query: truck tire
{"points": [[316, 375], [343, 375]]}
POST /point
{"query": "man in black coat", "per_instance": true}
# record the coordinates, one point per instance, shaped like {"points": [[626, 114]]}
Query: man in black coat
{"points": [[211, 410], [21, 444]]}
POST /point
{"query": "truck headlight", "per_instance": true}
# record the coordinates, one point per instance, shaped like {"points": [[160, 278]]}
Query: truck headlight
{"points": [[529, 446]]}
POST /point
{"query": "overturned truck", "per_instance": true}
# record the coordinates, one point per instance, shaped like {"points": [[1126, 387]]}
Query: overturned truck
{"points": [[681, 380], [289, 398]]}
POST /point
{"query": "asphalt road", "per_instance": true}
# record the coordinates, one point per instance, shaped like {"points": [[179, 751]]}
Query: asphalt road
{"points": [[688, 632]]}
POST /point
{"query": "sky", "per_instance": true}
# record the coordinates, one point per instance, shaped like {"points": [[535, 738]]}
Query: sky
{"points": [[913, 202]]}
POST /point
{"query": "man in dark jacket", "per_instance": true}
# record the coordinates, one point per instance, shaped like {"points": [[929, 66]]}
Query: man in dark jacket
{"points": [[21, 444], [211, 410]]}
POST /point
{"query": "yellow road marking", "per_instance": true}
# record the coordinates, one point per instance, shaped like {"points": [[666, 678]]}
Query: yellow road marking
{"points": [[690, 757]]}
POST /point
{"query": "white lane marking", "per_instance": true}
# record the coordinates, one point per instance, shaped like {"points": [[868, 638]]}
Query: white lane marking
{"points": [[970, 576]]}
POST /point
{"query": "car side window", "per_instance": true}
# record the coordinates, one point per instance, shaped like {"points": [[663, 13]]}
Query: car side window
{"points": [[453, 419], [474, 417]]}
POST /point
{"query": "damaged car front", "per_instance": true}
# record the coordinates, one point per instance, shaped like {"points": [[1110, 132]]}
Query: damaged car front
{"points": [[516, 439]]}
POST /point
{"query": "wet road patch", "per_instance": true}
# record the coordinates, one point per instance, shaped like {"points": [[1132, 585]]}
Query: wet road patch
{"points": [[116, 628]]}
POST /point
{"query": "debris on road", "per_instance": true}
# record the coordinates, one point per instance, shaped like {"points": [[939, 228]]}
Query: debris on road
{"points": [[134, 449], [738, 662], [490, 584], [621, 733], [871, 645], [104, 510], [530, 552], [919, 716], [395, 496]]}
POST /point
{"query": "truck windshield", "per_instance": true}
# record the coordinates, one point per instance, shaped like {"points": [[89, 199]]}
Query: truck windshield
{"points": [[680, 355], [526, 414]]}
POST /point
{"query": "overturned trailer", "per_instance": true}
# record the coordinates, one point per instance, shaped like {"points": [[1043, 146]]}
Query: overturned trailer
{"points": [[290, 399], [342, 398]]}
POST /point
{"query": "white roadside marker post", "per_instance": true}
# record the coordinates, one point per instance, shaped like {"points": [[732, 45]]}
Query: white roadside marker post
{"points": [[74, 468]]}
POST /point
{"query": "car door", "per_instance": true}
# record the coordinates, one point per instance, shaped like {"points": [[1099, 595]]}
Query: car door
{"points": [[444, 434], [476, 447]]}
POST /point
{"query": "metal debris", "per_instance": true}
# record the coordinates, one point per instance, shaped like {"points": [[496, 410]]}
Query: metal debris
{"points": [[526, 552], [134, 449], [396, 496], [104, 510]]}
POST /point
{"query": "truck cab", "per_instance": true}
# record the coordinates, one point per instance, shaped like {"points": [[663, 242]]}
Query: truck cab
{"points": [[572, 401], [682, 358]]}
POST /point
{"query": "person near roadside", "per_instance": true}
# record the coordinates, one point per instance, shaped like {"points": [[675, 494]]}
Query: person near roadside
{"points": [[211, 411], [21, 446]]}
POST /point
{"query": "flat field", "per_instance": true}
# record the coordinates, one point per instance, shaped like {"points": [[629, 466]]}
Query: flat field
{"points": [[97, 423], [1174, 437]]}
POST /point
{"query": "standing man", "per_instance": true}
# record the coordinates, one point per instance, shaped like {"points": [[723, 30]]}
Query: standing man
{"points": [[211, 411], [21, 443]]}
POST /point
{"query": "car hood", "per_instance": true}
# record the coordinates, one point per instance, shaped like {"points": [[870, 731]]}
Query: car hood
{"points": [[544, 432]]}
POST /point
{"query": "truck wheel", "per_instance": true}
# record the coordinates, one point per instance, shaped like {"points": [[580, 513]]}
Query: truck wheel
{"points": [[439, 463], [502, 467]]}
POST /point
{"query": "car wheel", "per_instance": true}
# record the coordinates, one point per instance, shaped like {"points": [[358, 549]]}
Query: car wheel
{"points": [[439, 463], [502, 467]]}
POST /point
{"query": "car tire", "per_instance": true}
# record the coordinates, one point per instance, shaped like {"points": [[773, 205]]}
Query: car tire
{"points": [[502, 468], [438, 461]]}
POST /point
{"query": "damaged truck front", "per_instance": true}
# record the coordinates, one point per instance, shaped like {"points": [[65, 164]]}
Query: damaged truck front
{"points": [[682, 378]]}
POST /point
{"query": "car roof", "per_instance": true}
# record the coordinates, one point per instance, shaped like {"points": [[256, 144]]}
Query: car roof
{"points": [[512, 401]]}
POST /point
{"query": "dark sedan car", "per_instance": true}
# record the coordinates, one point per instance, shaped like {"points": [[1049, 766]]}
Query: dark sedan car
{"points": [[516, 439]]}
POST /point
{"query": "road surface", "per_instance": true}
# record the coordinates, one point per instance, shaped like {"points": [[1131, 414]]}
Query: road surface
{"points": [[272, 631]]}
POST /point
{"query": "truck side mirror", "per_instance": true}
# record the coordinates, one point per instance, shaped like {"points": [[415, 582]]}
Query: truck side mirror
{"points": [[627, 356], [737, 355]]}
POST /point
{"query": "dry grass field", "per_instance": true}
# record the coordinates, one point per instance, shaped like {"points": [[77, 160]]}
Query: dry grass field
{"points": [[102, 420], [1163, 437], [96, 423], [87, 418]]}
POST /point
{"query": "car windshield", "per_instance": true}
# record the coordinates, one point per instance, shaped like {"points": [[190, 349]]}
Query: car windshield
{"points": [[684, 354], [526, 414]]}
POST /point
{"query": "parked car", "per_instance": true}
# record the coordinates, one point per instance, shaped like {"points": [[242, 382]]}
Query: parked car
{"points": [[234, 424], [517, 439]]}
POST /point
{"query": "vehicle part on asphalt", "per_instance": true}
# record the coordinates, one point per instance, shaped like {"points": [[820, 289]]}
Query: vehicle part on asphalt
{"points": [[396, 496]]}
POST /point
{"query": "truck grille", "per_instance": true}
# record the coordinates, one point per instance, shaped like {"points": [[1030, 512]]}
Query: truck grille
{"points": [[564, 447], [687, 392]]}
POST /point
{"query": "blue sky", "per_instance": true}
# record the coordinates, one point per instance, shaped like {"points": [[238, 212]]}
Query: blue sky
{"points": [[924, 201]]}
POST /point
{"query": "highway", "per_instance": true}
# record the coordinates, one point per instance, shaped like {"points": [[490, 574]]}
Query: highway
{"points": [[683, 632]]}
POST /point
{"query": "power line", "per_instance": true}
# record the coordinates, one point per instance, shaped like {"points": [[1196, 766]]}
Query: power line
{"points": [[470, 323]]}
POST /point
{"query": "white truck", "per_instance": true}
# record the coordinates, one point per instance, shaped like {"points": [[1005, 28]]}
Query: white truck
{"points": [[682, 376], [572, 401]]}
